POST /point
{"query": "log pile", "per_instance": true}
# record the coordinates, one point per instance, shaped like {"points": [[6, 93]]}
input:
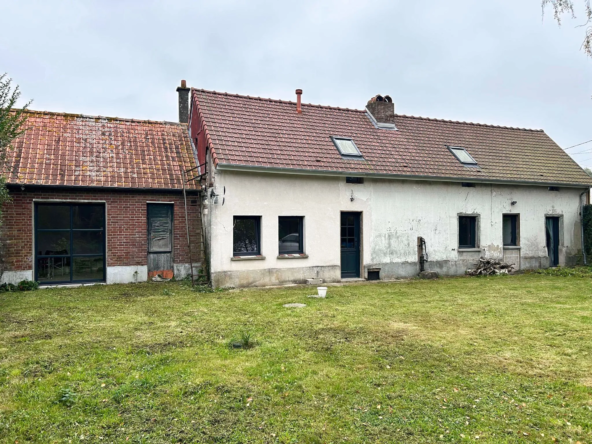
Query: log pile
{"points": [[488, 267]]}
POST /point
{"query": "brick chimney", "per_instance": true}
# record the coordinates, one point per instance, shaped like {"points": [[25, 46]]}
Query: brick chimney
{"points": [[183, 102], [382, 110]]}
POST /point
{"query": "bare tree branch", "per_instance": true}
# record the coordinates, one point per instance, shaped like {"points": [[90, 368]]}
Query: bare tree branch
{"points": [[562, 7]]}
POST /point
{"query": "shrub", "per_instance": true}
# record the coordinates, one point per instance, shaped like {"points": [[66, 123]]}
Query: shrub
{"points": [[27, 285], [8, 287]]}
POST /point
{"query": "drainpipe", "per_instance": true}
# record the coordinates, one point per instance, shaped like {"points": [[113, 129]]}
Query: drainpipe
{"points": [[582, 227]]}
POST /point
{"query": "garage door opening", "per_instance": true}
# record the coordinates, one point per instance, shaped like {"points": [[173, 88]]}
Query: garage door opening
{"points": [[69, 243]]}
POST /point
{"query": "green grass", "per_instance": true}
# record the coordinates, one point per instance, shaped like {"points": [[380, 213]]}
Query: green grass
{"points": [[505, 359]]}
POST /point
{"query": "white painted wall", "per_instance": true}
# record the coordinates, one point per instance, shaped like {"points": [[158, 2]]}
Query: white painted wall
{"points": [[394, 214], [115, 275], [14, 277], [127, 274]]}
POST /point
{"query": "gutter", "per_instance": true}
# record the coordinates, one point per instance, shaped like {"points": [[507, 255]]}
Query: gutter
{"points": [[302, 171]]}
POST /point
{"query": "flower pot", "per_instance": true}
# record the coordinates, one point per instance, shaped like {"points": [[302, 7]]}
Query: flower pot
{"points": [[322, 291]]}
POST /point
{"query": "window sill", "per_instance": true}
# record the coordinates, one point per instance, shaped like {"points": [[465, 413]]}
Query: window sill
{"points": [[248, 258], [512, 247], [469, 250], [293, 256]]}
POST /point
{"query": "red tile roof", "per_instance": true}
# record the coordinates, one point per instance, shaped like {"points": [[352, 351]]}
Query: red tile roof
{"points": [[256, 132], [78, 150]]}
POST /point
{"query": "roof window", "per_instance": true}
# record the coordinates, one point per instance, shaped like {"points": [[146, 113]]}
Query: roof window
{"points": [[462, 155], [346, 146]]}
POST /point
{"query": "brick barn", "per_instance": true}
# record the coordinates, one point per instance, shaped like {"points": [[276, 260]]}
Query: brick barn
{"points": [[98, 199]]}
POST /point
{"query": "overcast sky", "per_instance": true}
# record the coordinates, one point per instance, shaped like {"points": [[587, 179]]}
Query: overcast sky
{"points": [[491, 61]]}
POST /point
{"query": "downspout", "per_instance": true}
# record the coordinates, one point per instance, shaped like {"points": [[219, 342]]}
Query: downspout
{"points": [[582, 228]]}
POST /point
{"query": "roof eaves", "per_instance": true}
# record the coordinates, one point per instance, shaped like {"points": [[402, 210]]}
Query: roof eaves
{"points": [[301, 171]]}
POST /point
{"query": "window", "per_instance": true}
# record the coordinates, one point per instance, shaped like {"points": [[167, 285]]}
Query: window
{"points": [[467, 232], [510, 230], [553, 188], [462, 155], [69, 243], [467, 185], [358, 180], [246, 236], [346, 147], [290, 235]]}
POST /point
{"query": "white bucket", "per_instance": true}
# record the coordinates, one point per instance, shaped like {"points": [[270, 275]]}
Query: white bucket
{"points": [[322, 291]]}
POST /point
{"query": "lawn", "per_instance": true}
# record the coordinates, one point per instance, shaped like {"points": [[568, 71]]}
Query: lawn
{"points": [[504, 359]]}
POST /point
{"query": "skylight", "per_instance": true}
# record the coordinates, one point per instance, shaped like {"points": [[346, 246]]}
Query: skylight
{"points": [[462, 155], [346, 146]]}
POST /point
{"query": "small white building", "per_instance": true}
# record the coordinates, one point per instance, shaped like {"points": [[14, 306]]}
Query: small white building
{"points": [[295, 191]]}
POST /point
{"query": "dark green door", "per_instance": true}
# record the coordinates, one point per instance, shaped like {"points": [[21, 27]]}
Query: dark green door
{"points": [[552, 226], [350, 245]]}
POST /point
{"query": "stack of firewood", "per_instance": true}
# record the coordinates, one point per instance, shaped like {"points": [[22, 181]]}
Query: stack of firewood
{"points": [[488, 267]]}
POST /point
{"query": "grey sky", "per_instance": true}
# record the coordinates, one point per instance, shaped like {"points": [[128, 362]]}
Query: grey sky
{"points": [[483, 61]]}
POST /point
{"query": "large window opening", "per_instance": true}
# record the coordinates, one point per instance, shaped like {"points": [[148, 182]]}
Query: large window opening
{"points": [[69, 243], [246, 236], [510, 230], [290, 235], [467, 232]]}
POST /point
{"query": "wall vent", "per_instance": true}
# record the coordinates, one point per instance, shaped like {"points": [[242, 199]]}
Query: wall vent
{"points": [[374, 274], [354, 180]]}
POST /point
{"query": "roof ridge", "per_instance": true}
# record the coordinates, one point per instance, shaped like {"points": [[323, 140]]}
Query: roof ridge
{"points": [[267, 99], [489, 125], [88, 116], [264, 99]]}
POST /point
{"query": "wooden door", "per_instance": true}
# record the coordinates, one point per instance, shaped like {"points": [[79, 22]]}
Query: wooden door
{"points": [[160, 240]]}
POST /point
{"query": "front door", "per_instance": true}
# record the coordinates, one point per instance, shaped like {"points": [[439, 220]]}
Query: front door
{"points": [[552, 228], [350, 245], [160, 240]]}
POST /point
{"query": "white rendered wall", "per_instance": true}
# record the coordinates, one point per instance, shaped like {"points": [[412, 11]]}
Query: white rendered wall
{"points": [[394, 214], [14, 277]]}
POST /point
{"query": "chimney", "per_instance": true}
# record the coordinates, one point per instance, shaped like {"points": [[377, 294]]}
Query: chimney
{"points": [[299, 101], [183, 102], [382, 110]]}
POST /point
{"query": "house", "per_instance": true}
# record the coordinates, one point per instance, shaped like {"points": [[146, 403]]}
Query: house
{"points": [[294, 191], [270, 192], [97, 199]]}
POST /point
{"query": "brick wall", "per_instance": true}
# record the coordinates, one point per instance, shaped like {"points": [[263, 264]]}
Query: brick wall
{"points": [[127, 242]]}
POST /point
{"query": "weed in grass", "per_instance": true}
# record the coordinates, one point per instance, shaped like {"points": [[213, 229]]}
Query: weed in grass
{"points": [[66, 397], [245, 340], [203, 289]]}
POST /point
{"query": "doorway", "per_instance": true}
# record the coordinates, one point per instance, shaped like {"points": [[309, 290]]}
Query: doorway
{"points": [[160, 240], [350, 245], [552, 229]]}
